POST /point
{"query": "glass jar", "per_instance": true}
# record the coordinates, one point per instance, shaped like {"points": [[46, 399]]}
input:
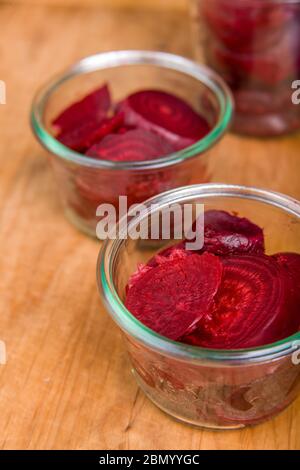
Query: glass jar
{"points": [[254, 45], [84, 182], [224, 389]]}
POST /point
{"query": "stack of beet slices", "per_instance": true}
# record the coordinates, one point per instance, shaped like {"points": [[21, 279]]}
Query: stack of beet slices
{"points": [[146, 125], [230, 295], [254, 45]]}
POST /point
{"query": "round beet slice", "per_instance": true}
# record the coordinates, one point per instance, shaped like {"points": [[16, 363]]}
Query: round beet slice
{"points": [[84, 136], [271, 67], [92, 107], [168, 254], [291, 261], [247, 25], [173, 296], [165, 114], [225, 234], [135, 145], [249, 308]]}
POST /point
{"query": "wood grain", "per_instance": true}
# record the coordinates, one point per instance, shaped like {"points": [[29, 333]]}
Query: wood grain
{"points": [[67, 382], [152, 4]]}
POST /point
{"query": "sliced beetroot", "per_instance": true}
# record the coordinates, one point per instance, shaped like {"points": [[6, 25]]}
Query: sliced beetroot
{"points": [[291, 262], [91, 108], [226, 234], [173, 296], [125, 128], [92, 188], [84, 136], [246, 25], [172, 253], [165, 114], [134, 145], [250, 307], [169, 254], [270, 68]]}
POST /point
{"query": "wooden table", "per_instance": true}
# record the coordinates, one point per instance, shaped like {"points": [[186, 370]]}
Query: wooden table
{"points": [[67, 382]]}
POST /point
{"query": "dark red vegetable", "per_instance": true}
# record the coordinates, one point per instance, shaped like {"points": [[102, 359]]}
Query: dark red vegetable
{"points": [[273, 67], [155, 124], [291, 262], [83, 137], [225, 234], [169, 254], [134, 145], [250, 307], [258, 299], [91, 108], [254, 45], [165, 114], [247, 25], [172, 297]]}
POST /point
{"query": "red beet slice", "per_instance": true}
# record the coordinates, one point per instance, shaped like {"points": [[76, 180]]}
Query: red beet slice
{"points": [[172, 297], [165, 114], [172, 253], [135, 145], [123, 129], [92, 107], [169, 254], [228, 234], [83, 137], [250, 306], [270, 67], [291, 261], [246, 25]]}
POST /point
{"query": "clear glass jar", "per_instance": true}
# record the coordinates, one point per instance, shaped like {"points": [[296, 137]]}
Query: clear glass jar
{"points": [[224, 389], [254, 45], [84, 182]]}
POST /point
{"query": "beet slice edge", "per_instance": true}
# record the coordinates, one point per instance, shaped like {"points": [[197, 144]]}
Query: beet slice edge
{"points": [[134, 145], [167, 115], [250, 306], [92, 107], [173, 296]]}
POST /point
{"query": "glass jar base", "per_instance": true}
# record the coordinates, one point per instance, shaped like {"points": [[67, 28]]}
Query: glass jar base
{"points": [[268, 125], [183, 419], [155, 398]]}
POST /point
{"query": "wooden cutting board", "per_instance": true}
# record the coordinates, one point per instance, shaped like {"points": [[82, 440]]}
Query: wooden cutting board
{"points": [[67, 382]]}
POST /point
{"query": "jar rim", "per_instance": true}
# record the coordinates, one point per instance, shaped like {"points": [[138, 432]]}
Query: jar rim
{"points": [[133, 327], [121, 58]]}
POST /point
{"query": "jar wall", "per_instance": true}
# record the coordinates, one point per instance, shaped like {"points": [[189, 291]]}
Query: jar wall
{"points": [[254, 46], [215, 395]]}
